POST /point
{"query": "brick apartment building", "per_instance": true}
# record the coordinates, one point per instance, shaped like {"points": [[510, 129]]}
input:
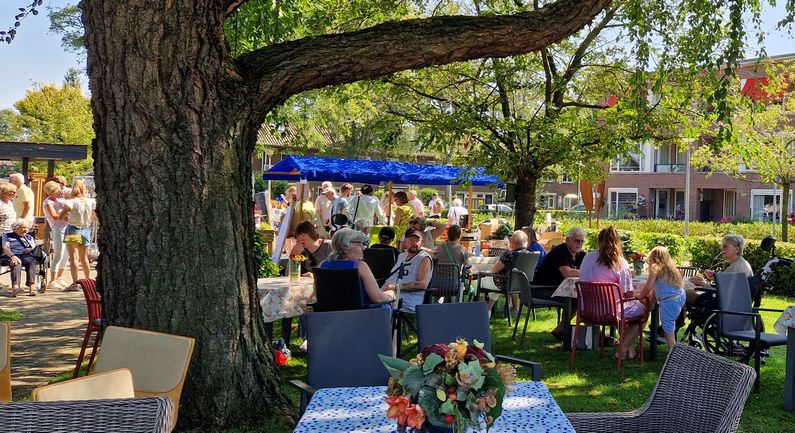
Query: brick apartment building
{"points": [[650, 183]]}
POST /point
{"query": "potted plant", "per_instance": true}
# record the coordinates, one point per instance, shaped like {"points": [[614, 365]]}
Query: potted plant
{"points": [[447, 388]]}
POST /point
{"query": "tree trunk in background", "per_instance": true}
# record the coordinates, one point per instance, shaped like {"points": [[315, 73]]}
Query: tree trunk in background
{"points": [[173, 149], [784, 211], [525, 211]]}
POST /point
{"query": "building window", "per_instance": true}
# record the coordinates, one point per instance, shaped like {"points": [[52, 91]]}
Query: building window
{"points": [[631, 162], [547, 200], [623, 203], [570, 200], [548, 179], [729, 204], [766, 204], [566, 178]]}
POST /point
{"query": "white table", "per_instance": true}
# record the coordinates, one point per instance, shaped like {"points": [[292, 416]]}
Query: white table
{"points": [[530, 408], [283, 299]]}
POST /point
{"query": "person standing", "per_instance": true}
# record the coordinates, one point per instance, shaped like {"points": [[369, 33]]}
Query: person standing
{"points": [[53, 205], [340, 205], [7, 213], [366, 206], [23, 202], [416, 203], [323, 203], [79, 212], [436, 205], [456, 211], [403, 212]]}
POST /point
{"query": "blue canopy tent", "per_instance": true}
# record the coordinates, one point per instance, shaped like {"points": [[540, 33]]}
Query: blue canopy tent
{"points": [[295, 168]]}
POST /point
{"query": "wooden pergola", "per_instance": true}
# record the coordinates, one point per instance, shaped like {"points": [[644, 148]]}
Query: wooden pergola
{"points": [[41, 152]]}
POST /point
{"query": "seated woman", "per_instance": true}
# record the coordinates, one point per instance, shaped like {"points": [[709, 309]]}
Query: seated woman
{"points": [[347, 247], [731, 248], [607, 265], [668, 285], [535, 246], [517, 244], [18, 246], [309, 245]]}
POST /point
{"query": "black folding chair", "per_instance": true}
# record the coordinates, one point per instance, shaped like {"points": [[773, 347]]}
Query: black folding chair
{"points": [[339, 289], [521, 282], [341, 354], [445, 283], [445, 323], [525, 262], [738, 320], [381, 261]]}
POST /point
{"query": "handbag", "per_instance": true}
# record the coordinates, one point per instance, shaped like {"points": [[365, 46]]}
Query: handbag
{"points": [[74, 239]]}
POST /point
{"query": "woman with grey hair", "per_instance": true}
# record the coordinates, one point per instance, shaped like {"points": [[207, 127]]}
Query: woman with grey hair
{"points": [[347, 250], [364, 225], [18, 247], [731, 248]]}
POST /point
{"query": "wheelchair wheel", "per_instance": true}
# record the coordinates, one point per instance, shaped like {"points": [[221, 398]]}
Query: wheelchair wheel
{"points": [[710, 339]]}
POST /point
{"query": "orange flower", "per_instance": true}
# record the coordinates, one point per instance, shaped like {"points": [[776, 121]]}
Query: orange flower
{"points": [[415, 417], [397, 408]]}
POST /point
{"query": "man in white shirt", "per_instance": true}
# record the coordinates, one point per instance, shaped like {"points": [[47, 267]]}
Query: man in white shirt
{"points": [[366, 206], [416, 203], [415, 269], [23, 202], [323, 205]]}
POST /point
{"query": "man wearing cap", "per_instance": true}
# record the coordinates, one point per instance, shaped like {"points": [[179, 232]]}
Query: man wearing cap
{"points": [[412, 272], [323, 203], [385, 238], [366, 206]]}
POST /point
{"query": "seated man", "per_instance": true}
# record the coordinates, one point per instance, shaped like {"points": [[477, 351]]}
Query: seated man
{"points": [[385, 239], [412, 272], [562, 262], [452, 251]]}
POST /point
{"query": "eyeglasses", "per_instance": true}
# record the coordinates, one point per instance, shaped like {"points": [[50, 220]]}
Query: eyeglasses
{"points": [[578, 241]]}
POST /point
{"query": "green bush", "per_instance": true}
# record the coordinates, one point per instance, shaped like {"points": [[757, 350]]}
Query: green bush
{"points": [[425, 195], [265, 266], [703, 251]]}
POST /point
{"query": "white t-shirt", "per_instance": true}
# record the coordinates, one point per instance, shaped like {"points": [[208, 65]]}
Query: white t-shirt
{"points": [[81, 210], [368, 208], [24, 195], [409, 274], [323, 207], [455, 213]]}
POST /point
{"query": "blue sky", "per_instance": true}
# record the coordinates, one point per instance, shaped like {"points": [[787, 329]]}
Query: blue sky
{"points": [[36, 56]]}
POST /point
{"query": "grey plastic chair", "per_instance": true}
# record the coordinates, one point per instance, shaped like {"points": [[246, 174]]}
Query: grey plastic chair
{"points": [[738, 320], [697, 392], [134, 415], [343, 349], [445, 282], [525, 262], [445, 323], [521, 282]]}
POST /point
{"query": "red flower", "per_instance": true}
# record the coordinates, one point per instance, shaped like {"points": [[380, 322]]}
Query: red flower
{"points": [[397, 408], [476, 351], [439, 349], [415, 417]]}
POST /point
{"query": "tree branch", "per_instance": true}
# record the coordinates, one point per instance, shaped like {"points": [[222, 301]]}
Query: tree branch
{"points": [[282, 70], [231, 6], [581, 105]]}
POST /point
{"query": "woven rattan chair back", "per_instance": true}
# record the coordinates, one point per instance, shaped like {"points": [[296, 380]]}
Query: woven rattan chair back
{"points": [[497, 252], [137, 415], [687, 271]]}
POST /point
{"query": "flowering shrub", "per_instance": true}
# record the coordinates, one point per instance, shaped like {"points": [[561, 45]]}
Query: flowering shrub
{"points": [[447, 385]]}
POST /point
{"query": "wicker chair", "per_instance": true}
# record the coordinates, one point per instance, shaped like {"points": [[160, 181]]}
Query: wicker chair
{"points": [[136, 415], [696, 392], [687, 271]]}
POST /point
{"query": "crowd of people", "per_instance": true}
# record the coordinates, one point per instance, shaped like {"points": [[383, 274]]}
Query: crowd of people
{"points": [[69, 214]]}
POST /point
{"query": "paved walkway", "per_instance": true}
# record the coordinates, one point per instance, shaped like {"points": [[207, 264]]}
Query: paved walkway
{"points": [[46, 340]]}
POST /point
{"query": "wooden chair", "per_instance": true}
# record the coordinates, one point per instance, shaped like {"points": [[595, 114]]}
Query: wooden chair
{"points": [[107, 385], [158, 362], [5, 361], [94, 306], [598, 304]]}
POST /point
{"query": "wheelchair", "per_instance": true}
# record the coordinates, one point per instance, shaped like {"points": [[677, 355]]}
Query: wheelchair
{"points": [[40, 256]]}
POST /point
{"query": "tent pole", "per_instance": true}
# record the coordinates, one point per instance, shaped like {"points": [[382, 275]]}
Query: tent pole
{"points": [[300, 202], [389, 203], [469, 208]]}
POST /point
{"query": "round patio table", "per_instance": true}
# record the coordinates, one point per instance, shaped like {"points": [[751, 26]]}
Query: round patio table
{"points": [[283, 299]]}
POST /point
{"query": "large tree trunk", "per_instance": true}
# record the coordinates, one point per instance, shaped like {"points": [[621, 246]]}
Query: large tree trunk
{"points": [[173, 148], [526, 185]]}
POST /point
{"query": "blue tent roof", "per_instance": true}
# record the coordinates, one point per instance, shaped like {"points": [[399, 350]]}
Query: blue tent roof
{"points": [[366, 171]]}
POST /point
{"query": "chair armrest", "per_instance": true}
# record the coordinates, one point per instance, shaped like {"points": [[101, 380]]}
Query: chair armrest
{"points": [[607, 422], [535, 367], [772, 310], [736, 313], [306, 392]]}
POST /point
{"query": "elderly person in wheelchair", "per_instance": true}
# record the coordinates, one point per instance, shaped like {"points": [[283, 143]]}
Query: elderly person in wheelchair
{"points": [[18, 252]]}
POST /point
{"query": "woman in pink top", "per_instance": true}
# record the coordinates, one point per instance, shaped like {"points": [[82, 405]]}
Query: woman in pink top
{"points": [[607, 265]]}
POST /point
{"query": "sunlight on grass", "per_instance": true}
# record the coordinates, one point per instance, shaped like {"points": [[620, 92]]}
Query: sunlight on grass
{"points": [[10, 316]]}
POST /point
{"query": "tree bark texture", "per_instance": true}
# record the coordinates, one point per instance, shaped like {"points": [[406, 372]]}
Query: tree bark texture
{"points": [[175, 119], [526, 197]]}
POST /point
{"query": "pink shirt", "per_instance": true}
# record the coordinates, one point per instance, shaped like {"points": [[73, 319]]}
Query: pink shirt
{"points": [[591, 270], [419, 210]]}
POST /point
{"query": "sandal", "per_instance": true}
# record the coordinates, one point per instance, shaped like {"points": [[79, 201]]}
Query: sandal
{"points": [[72, 288]]}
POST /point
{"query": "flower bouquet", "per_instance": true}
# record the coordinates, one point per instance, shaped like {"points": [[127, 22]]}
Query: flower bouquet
{"points": [[294, 267], [447, 388]]}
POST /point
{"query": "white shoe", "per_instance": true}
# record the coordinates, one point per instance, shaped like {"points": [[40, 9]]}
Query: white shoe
{"points": [[54, 284], [62, 282]]}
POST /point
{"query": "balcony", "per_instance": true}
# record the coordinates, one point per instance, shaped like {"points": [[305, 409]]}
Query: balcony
{"points": [[669, 168]]}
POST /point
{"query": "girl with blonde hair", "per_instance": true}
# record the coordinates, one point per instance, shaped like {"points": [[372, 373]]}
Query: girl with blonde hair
{"points": [[668, 286]]}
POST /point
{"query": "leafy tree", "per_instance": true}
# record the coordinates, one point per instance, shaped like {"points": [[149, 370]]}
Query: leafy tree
{"points": [[176, 113], [764, 137]]}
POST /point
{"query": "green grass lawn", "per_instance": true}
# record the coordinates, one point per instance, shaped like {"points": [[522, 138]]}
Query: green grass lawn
{"points": [[593, 385], [9, 316]]}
